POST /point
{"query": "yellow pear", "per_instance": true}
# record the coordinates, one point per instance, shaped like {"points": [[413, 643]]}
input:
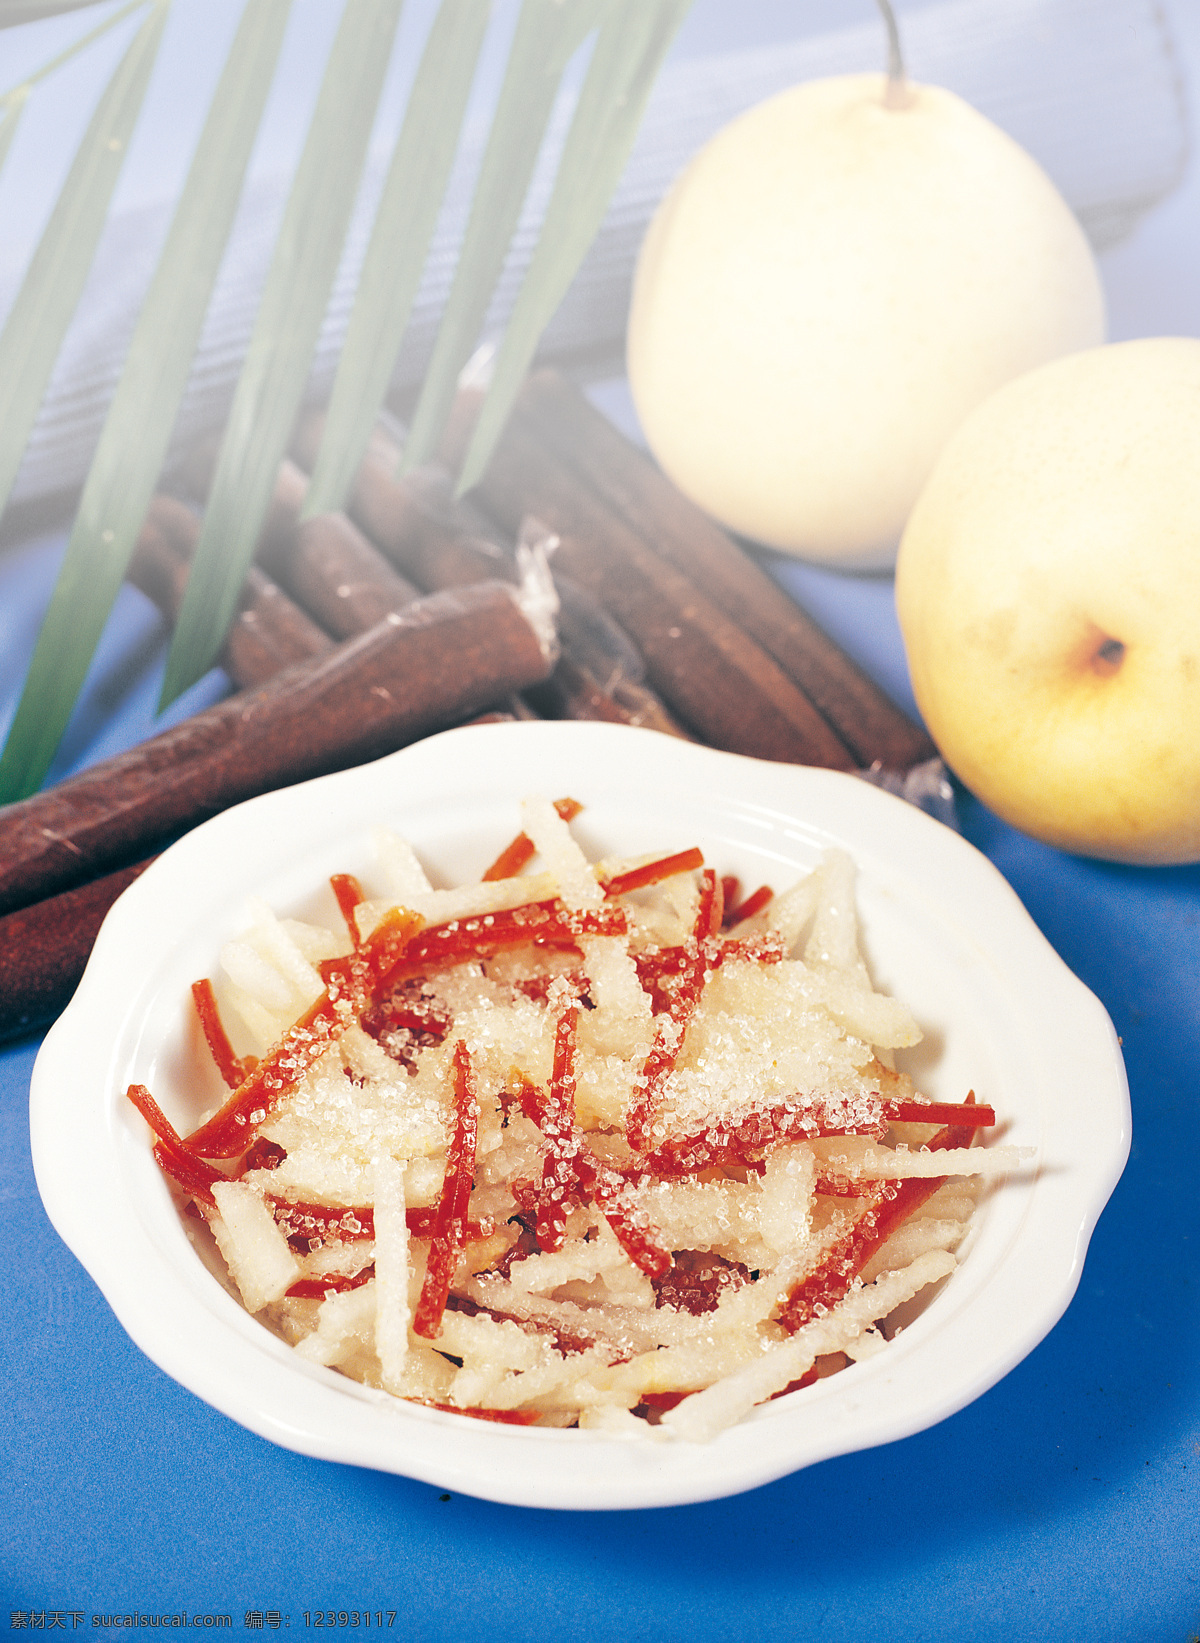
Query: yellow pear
{"points": [[827, 290], [1048, 588]]}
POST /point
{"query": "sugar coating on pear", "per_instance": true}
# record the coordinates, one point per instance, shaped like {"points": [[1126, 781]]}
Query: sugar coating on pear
{"points": [[828, 289], [1048, 589]]}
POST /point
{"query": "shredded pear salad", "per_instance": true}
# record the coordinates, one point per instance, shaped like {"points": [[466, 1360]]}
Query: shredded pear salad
{"points": [[593, 1145]]}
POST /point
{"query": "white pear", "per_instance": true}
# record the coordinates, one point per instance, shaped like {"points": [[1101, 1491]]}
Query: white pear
{"points": [[1048, 588], [827, 290]]}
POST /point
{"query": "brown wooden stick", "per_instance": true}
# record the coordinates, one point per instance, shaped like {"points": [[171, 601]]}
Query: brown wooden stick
{"points": [[325, 563], [443, 659], [414, 521], [578, 438], [269, 632], [717, 680], [442, 542], [332, 570], [44, 948]]}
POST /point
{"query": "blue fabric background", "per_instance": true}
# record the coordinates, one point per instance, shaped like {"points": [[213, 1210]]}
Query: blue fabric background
{"points": [[1065, 1503]]}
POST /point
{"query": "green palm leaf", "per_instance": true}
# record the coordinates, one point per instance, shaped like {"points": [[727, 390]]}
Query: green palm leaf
{"points": [[28, 11], [631, 37], [13, 107], [548, 34], [52, 286], [626, 60], [404, 225], [133, 443], [285, 333]]}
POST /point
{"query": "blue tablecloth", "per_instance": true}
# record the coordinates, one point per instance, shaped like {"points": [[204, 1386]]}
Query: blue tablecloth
{"points": [[1065, 1503]]}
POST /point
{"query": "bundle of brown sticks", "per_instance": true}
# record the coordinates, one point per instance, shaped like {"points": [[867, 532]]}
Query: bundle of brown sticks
{"points": [[361, 632]]}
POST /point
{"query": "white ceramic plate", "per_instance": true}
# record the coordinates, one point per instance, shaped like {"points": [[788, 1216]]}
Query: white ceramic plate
{"points": [[1001, 1013]]}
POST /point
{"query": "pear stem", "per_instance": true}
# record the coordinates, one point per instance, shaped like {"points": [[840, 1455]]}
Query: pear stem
{"points": [[897, 93]]}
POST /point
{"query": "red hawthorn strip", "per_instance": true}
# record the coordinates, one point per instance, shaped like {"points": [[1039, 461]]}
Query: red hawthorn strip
{"points": [[504, 1417], [350, 984], [653, 872], [711, 908], [829, 1185], [572, 1172], [746, 1141], [538, 987], [658, 1066], [662, 1401], [511, 859], [970, 1115], [752, 904], [661, 969], [542, 923], [421, 1222], [170, 1151], [186, 1171], [231, 1067], [611, 1194], [681, 1006], [323, 1221], [348, 893], [609, 1190], [832, 1279], [557, 1124], [404, 1008], [766, 949], [526, 1193], [571, 1165], [522, 849], [316, 1289], [451, 1219], [261, 1154]]}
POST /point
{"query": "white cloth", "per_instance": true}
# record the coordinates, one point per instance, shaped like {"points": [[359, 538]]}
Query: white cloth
{"points": [[1091, 87]]}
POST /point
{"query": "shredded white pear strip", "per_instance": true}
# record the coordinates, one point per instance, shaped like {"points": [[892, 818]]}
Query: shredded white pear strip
{"points": [[255, 1250], [787, 915], [248, 969], [468, 1157], [579, 1262], [700, 1417], [886, 1164], [345, 1320], [280, 948], [391, 1270], [552, 838], [833, 940], [462, 902], [402, 872]]}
